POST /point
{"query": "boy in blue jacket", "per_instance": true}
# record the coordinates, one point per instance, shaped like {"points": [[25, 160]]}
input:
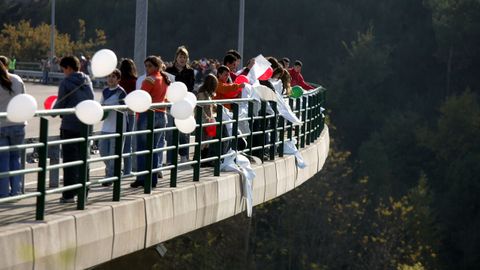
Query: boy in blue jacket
{"points": [[75, 88], [114, 94]]}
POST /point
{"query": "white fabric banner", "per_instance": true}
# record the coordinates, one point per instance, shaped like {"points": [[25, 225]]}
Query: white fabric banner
{"points": [[261, 65], [290, 148], [241, 164]]}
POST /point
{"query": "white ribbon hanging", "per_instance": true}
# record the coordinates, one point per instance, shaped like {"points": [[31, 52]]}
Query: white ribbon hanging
{"points": [[227, 116], [285, 111], [290, 148], [247, 92], [261, 65], [241, 164]]}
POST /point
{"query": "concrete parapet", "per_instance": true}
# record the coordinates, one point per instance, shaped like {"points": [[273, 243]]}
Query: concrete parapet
{"points": [[129, 227], [271, 180], [258, 185], [291, 172], [234, 180], [54, 243], [207, 202], [323, 147], [94, 236], [281, 171], [184, 208], [159, 216], [227, 186], [17, 251], [312, 159]]}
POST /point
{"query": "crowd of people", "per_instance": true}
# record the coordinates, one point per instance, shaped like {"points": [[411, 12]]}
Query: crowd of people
{"points": [[207, 79]]}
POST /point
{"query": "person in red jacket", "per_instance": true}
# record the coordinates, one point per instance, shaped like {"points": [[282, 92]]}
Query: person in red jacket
{"points": [[224, 89], [297, 78]]}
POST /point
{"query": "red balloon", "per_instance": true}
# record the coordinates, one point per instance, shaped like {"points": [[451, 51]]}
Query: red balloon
{"points": [[241, 79], [267, 75], [49, 102], [211, 131]]}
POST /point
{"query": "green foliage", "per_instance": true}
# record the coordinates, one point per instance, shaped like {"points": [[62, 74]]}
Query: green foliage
{"points": [[359, 97], [340, 221], [32, 43], [454, 143], [457, 29]]}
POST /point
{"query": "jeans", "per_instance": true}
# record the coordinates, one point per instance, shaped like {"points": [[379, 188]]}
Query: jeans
{"points": [[107, 148], [54, 155], [130, 146], [45, 77], [70, 152], [10, 160], [182, 138], [158, 142]]}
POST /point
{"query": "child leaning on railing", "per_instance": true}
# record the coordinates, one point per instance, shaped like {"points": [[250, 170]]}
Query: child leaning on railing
{"points": [[114, 94]]}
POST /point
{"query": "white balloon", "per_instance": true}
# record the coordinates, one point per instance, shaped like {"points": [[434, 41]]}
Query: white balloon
{"points": [[21, 108], [187, 125], [138, 101], [89, 112], [176, 91], [190, 97], [103, 63], [181, 110]]}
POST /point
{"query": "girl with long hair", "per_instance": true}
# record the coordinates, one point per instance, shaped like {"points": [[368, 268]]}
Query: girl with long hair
{"points": [[10, 133]]}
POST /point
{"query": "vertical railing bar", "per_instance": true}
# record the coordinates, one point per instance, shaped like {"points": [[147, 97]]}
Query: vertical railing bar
{"points": [[216, 171], [318, 115], [315, 112], [282, 136], [117, 166], [42, 175], [198, 140], [263, 113], [309, 118], [297, 128], [174, 170], [273, 134], [147, 184], [304, 119], [290, 129], [84, 152], [235, 126], [250, 123]]}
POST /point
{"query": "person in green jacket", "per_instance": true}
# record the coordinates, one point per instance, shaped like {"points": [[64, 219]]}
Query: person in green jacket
{"points": [[12, 64]]}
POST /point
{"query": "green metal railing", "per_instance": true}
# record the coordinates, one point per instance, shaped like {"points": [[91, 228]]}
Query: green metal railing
{"points": [[273, 126]]}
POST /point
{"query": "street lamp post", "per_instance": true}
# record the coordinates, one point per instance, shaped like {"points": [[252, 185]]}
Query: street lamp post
{"points": [[52, 32], [241, 22], [140, 48]]}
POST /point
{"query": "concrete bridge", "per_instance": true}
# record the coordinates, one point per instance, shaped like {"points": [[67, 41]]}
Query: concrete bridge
{"points": [[77, 239]]}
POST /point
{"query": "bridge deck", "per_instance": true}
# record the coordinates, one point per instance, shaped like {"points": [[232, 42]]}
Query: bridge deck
{"points": [[24, 210]]}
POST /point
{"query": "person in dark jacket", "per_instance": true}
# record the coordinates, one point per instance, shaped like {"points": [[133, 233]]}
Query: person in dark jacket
{"points": [[74, 88], [183, 73], [128, 82]]}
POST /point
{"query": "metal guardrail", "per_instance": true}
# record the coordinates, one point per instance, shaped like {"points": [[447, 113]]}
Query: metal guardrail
{"points": [[307, 109], [53, 77]]}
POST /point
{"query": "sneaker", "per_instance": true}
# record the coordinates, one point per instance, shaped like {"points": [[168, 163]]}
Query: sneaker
{"points": [[183, 159], [160, 174], [107, 184], [69, 200]]}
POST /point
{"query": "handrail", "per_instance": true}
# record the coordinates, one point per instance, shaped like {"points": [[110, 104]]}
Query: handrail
{"points": [[274, 132]]}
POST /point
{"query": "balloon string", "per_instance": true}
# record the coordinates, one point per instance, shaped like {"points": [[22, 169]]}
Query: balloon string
{"points": [[70, 93]]}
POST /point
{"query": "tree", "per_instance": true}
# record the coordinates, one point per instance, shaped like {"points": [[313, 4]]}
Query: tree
{"points": [[454, 144], [457, 30], [32, 43], [359, 96]]}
